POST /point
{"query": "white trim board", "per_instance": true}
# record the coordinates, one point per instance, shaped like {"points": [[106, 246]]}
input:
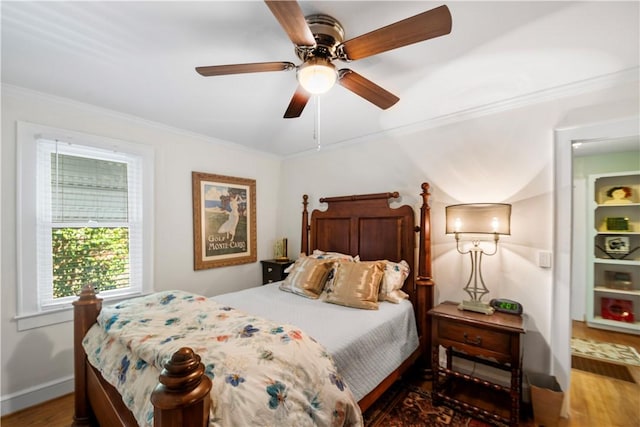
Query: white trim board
{"points": [[34, 395]]}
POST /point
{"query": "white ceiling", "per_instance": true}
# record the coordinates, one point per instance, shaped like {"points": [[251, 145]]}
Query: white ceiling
{"points": [[138, 58]]}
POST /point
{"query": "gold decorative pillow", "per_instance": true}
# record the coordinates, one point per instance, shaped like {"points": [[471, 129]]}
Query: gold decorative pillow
{"points": [[308, 276], [338, 257], [356, 284]]}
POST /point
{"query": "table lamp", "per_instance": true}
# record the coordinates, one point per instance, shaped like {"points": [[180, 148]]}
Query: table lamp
{"points": [[477, 219]]}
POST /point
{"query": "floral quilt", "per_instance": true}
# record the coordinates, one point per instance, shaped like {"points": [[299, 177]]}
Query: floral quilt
{"points": [[263, 373]]}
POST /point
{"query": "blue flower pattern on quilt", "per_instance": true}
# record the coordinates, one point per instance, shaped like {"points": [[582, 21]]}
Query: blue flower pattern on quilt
{"points": [[337, 380], [278, 393], [124, 367], [245, 352], [234, 379], [248, 331]]}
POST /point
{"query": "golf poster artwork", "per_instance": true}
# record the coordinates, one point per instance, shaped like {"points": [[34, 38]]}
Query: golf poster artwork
{"points": [[224, 220]]}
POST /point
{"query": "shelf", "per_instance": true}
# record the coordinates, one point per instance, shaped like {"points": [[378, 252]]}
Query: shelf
{"points": [[615, 324], [475, 399], [611, 261], [616, 205], [605, 243], [632, 292], [623, 233]]}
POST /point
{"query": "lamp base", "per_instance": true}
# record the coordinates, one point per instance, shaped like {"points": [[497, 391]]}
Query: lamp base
{"points": [[477, 306]]}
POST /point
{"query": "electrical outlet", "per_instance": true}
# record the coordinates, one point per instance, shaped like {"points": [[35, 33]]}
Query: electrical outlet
{"points": [[544, 259]]}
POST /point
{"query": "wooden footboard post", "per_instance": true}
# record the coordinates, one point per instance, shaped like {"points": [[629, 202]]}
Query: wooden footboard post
{"points": [[304, 238], [424, 282], [85, 313], [182, 397]]}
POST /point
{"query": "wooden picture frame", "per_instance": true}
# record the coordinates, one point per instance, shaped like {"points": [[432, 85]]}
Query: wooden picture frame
{"points": [[224, 220]]}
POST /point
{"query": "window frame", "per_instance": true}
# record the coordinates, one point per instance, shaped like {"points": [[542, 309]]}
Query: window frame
{"points": [[30, 313]]}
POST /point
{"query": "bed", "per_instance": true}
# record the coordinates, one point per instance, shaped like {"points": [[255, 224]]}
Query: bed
{"points": [[365, 226]]}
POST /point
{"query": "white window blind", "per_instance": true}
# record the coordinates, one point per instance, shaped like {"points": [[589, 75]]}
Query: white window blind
{"points": [[85, 195]]}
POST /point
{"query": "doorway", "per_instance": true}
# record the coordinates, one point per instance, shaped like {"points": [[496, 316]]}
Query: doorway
{"points": [[563, 220]]}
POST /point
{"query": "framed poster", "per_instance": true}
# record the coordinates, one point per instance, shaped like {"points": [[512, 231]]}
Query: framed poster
{"points": [[224, 220]]}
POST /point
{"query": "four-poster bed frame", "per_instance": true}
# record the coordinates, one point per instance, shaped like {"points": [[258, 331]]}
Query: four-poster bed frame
{"points": [[363, 225]]}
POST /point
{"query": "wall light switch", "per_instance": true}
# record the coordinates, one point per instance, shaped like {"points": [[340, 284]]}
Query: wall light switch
{"points": [[544, 259]]}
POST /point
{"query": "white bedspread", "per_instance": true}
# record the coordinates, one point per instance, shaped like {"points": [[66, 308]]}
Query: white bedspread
{"points": [[367, 345]]}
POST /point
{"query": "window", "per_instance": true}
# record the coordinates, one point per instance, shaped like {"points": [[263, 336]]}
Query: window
{"points": [[85, 206]]}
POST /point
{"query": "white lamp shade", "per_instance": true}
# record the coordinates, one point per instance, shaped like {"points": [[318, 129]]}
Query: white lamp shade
{"points": [[479, 218], [317, 75]]}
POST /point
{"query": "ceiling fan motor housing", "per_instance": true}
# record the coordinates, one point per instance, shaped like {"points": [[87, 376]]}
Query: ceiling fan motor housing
{"points": [[327, 32]]}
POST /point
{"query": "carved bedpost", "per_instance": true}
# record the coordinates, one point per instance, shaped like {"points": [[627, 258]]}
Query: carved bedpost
{"points": [[182, 397], [304, 240], [85, 314], [424, 282]]}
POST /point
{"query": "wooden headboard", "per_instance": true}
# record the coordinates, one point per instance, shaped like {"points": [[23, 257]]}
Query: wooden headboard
{"points": [[366, 225]]}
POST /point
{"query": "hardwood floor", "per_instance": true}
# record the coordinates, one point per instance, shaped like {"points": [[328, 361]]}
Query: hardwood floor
{"points": [[602, 401], [54, 413], [596, 401]]}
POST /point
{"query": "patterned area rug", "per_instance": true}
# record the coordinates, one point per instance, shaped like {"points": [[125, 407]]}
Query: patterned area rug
{"points": [[614, 353], [406, 405]]}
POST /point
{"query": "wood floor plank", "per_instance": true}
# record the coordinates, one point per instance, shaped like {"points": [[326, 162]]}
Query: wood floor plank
{"points": [[54, 413]]}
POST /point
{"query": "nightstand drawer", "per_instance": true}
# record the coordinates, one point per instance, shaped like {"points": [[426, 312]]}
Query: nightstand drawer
{"points": [[494, 341]]}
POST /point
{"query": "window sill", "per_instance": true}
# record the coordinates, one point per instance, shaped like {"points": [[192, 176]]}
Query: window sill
{"points": [[60, 315]]}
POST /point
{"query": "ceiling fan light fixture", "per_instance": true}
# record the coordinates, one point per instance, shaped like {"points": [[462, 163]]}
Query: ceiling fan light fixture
{"points": [[317, 75]]}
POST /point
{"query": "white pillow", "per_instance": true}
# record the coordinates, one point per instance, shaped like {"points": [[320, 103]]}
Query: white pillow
{"points": [[395, 273]]}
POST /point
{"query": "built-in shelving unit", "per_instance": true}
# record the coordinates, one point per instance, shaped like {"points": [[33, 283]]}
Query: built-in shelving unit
{"points": [[613, 270]]}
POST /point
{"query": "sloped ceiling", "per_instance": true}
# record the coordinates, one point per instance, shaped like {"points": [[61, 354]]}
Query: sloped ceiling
{"points": [[138, 58]]}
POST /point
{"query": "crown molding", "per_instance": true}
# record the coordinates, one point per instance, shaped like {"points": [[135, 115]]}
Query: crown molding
{"points": [[19, 91], [601, 82]]}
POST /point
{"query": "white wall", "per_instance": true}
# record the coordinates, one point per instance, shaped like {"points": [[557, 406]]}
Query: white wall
{"points": [[43, 357], [506, 156]]}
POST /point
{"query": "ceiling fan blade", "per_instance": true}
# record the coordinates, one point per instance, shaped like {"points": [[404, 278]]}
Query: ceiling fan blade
{"points": [[291, 19], [366, 89], [297, 104], [258, 67], [427, 25]]}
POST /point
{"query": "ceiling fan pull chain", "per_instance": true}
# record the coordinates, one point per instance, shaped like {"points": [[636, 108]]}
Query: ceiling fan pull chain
{"points": [[317, 122]]}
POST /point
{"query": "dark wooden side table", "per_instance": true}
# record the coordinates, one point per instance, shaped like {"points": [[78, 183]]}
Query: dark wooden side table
{"points": [[492, 340], [273, 270]]}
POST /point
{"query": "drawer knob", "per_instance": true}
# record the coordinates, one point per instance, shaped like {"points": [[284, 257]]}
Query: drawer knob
{"points": [[477, 341], [269, 269]]}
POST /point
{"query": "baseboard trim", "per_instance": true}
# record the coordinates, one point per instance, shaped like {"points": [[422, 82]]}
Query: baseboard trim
{"points": [[34, 395]]}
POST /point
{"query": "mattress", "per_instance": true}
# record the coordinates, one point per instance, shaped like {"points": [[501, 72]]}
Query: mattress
{"points": [[367, 345]]}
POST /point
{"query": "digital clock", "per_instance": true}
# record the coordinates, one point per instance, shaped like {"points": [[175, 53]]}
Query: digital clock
{"points": [[506, 306]]}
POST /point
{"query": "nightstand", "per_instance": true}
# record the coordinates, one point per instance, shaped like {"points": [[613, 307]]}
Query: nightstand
{"points": [[273, 270], [492, 340]]}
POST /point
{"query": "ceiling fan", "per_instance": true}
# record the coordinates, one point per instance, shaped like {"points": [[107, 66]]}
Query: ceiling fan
{"points": [[318, 41]]}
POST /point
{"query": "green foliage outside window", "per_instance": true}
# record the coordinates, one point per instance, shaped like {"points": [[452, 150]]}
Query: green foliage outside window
{"points": [[90, 255]]}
